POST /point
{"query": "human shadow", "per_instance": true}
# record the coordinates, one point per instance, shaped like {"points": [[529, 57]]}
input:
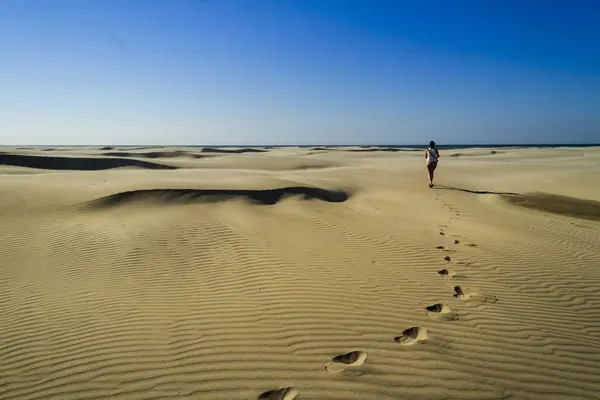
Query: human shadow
{"points": [[442, 187]]}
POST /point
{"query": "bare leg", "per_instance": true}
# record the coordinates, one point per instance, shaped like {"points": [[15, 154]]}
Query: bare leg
{"points": [[430, 173], [430, 169]]}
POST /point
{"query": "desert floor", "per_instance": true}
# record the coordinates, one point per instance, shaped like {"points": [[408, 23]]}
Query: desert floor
{"points": [[307, 273]]}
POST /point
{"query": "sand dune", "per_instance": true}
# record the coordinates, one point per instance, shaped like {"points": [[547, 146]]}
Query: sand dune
{"points": [[266, 162], [484, 287]]}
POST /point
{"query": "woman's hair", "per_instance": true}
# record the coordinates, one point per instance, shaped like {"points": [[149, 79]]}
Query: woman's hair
{"points": [[432, 144]]}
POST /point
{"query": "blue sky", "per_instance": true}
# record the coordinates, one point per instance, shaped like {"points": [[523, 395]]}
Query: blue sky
{"points": [[299, 71]]}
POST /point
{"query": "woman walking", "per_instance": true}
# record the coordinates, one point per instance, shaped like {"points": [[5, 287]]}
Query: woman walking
{"points": [[432, 156]]}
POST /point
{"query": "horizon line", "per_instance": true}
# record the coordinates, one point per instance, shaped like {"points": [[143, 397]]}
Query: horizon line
{"points": [[313, 145]]}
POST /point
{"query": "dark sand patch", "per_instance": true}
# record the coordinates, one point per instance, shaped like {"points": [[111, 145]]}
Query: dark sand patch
{"points": [[376, 149], [154, 154], [75, 163], [364, 149], [312, 166], [139, 148], [555, 204], [232, 151], [491, 152], [190, 196]]}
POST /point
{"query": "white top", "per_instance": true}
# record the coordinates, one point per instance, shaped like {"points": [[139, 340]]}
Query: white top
{"points": [[431, 155]]}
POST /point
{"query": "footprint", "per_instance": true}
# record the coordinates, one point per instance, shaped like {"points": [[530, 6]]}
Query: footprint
{"points": [[443, 311], [461, 292], [438, 308], [412, 335], [451, 274], [286, 393], [444, 248], [343, 361]]}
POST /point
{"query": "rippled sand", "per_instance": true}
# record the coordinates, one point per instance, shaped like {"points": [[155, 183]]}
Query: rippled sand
{"points": [[299, 273]]}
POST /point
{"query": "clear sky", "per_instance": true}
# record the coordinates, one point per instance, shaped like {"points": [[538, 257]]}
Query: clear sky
{"points": [[299, 71]]}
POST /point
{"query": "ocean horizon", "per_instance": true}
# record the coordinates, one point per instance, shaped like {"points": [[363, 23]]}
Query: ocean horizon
{"points": [[407, 147]]}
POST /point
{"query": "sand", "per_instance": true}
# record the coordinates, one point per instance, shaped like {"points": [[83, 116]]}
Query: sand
{"points": [[299, 273]]}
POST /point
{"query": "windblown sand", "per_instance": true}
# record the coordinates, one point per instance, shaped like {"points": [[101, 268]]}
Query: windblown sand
{"points": [[185, 273]]}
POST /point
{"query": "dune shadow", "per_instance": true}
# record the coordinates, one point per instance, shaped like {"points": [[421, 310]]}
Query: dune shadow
{"points": [[556, 204], [190, 196], [442, 187], [545, 202], [75, 163]]}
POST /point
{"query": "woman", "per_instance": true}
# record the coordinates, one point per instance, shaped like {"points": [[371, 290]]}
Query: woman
{"points": [[432, 156]]}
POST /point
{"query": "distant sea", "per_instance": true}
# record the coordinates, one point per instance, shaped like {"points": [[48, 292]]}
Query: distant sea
{"points": [[440, 146], [399, 146]]}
